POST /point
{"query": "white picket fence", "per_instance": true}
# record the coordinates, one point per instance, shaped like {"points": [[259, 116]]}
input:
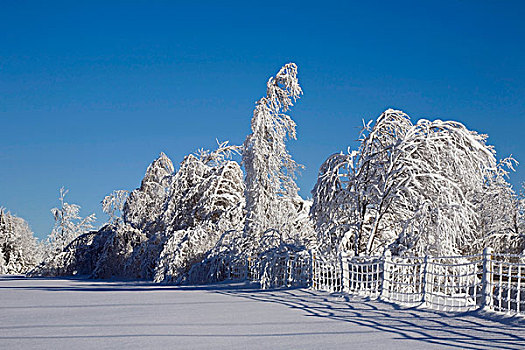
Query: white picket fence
{"points": [[450, 283]]}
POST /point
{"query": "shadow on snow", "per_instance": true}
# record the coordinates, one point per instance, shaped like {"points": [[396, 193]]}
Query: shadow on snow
{"points": [[469, 330]]}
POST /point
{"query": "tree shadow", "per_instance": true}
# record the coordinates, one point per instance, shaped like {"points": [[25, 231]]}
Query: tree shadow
{"points": [[467, 330]]}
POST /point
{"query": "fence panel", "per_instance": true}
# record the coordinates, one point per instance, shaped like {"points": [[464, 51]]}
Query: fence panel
{"points": [[507, 284], [404, 281], [288, 269], [363, 275], [453, 283], [326, 273]]}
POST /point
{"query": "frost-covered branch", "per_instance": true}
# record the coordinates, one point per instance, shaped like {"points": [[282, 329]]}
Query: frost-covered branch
{"points": [[421, 187], [113, 205], [68, 224], [19, 249], [223, 152], [270, 169]]}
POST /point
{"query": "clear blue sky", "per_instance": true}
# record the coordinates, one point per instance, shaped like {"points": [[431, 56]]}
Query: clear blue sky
{"points": [[91, 92]]}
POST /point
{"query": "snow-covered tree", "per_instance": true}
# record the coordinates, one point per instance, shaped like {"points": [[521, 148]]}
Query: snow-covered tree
{"points": [[113, 205], [271, 192], [19, 249], [132, 245], [498, 206], [78, 258], [126, 252], [68, 224], [145, 205], [169, 223], [205, 200], [410, 187], [334, 208], [276, 216], [355, 191], [521, 217]]}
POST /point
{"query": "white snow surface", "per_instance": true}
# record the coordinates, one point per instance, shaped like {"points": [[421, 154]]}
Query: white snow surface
{"points": [[86, 314]]}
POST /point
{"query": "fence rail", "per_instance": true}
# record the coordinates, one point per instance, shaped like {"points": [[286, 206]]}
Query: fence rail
{"points": [[451, 283]]}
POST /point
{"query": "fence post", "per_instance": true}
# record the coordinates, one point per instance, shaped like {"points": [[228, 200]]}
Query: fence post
{"points": [[385, 285], [518, 295], [286, 275], [228, 270], [345, 280], [426, 281], [245, 270], [312, 269], [486, 279]]}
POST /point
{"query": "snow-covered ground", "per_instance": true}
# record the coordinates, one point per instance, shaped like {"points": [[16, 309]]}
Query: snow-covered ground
{"points": [[86, 314]]}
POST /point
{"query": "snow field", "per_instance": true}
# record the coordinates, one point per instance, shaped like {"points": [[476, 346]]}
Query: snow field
{"points": [[87, 314]]}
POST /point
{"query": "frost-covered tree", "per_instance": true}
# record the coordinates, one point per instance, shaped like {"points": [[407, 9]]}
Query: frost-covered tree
{"points": [[19, 249], [271, 192], [132, 245], [169, 223], [206, 199], [113, 205], [410, 187], [79, 258], [68, 224], [521, 217], [355, 191], [334, 208], [196, 181], [145, 205], [499, 220], [276, 216], [126, 252]]}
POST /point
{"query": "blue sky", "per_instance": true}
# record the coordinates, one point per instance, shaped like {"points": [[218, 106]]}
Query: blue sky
{"points": [[91, 92]]}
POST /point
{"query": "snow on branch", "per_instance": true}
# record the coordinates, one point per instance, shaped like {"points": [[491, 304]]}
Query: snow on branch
{"points": [[68, 224], [223, 152], [419, 188], [270, 170], [113, 205]]}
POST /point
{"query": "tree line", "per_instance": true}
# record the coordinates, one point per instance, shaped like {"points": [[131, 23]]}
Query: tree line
{"points": [[412, 188]]}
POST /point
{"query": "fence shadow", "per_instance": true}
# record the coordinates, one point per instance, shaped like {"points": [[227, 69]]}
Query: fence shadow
{"points": [[467, 330]]}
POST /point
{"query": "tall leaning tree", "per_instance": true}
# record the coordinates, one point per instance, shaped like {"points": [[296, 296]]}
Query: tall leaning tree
{"points": [[271, 191]]}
